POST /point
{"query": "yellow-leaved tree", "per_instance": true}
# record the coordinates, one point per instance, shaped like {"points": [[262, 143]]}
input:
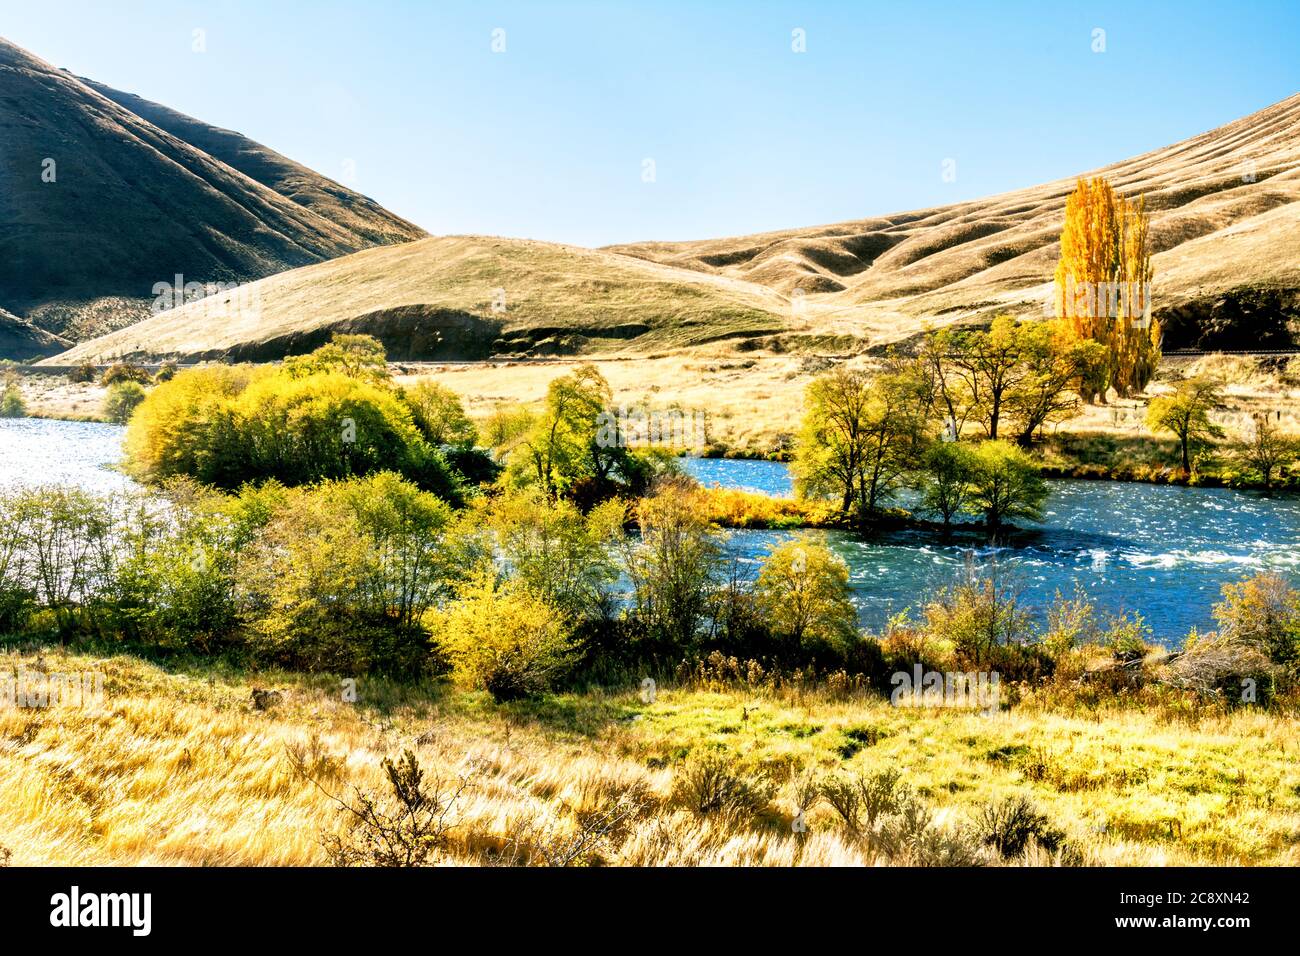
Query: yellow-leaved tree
{"points": [[1103, 286]]}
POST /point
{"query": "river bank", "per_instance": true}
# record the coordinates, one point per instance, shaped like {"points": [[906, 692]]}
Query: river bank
{"points": [[1162, 550]]}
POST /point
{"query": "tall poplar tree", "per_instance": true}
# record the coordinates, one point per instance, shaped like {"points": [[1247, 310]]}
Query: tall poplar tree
{"points": [[1103, 286]]}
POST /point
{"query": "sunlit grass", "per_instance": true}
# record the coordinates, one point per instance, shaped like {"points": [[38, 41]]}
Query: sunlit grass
{"points": [[178, 767]]}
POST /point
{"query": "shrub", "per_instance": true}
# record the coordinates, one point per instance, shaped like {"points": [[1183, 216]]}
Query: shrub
{"points": [[183, 427], [503, 638], [438, 413], [83, 374], [227, 426], [57, 542], [11, 403], [1071, 623], [803, 593], [710, 783], [410, 828], [122, 400], [356, 356], [341, 575], [909, 835], [15, 606], [734, 508], [978, 614], [124, 372], [327, 425], [471, 466], [1127, 638], [300, 582], [17, 592], [863, 800], [166, 372], [1010, 825], [1263, 613], [175, 581], [415, 563]]}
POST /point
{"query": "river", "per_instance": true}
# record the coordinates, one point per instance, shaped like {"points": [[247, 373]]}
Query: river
{"points": [[1162, 551]]}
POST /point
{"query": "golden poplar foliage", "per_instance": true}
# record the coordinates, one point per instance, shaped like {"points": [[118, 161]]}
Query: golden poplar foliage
{"points": [[1103, 285]]}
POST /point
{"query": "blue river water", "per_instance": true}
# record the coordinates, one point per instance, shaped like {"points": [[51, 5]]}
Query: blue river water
{"points": [[1162, 551]]}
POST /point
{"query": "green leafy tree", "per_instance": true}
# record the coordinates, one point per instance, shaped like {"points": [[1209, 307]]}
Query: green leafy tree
{"points": [[560, 446], [341, 575], [1267, 450], [439, 414], [803, 594], [1005, 484], [946, 475], [559, 553], [11, 402], [981, 369], [832, 442], [1052, 364], [673, 566], [122, 400], [1186, 413], [860, 437]]}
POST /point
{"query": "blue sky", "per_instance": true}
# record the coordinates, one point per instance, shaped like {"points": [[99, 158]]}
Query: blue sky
{"points": [[408, 102]]}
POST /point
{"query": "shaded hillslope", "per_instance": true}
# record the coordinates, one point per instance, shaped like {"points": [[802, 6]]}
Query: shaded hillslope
{"points": [[98, 204]]}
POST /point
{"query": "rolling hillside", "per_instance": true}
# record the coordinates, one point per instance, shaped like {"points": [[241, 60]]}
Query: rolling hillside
{"points": [[1225, 226], [1225, 229], [99, 202], [459, 297]]}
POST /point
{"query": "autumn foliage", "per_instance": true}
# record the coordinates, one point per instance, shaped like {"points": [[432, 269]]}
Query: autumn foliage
{"points": [[1103, 290]]}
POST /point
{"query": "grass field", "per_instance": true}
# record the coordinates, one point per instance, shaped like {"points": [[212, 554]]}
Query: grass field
{"points": [[177, 766]]}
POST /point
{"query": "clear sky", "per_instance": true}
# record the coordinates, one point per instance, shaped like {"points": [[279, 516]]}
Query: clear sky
{"points": [[409, 103]]}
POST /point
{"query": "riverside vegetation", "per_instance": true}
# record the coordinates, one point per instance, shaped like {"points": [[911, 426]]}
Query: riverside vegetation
{"points": [[475, 659]]}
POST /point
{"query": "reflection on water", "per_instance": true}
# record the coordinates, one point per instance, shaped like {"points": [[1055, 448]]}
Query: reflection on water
{"points": [[1160, 550]]}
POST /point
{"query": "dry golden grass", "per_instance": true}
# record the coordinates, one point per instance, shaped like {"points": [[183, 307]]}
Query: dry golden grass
{"points": [[179, 768], [460, 297], [753, 404], [50, 396]]}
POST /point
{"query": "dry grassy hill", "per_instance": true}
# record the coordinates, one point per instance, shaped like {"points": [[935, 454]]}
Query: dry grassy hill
{"points": [[1225, 228], [132, 200], [458, 297], [365, 218], [1225, 225]]}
